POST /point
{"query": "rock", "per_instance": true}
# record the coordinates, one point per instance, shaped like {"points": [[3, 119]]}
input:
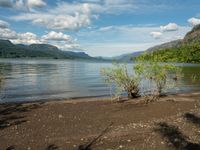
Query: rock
{"points": [[60, 116]]}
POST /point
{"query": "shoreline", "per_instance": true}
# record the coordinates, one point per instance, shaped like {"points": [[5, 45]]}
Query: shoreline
{"points": [[68, 124], [92, 98]]}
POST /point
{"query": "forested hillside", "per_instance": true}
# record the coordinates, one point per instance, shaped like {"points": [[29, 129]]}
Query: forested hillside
{"points": [[10, 50], [186, 50]]}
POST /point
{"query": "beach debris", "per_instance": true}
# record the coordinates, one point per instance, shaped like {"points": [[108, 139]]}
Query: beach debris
{"points": [[52, 147], [88, 146], [10, 148]]}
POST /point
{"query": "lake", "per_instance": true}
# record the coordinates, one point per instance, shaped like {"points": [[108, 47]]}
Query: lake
{"points": [[31, 80]]}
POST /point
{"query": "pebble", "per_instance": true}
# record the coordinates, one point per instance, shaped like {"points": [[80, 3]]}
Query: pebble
{"points": [[120, 146], [60, 116], [128, 140]]}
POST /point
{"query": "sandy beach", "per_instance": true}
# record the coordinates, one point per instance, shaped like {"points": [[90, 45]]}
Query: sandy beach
{"points": [[101, 124]]}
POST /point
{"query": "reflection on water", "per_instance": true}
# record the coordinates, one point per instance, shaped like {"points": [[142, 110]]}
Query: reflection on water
{"points": [[29, 80]]}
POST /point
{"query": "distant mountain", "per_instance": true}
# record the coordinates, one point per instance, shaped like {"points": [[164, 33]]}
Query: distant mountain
{"points": [[127, 57], [171, 44], [10, 50], [185, 50], [193, 36]]}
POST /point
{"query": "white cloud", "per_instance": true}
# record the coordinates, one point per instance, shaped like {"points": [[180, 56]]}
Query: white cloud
{"points": [[3, 24], [22, 4], [57, 36], [67, 46], [59, 39], [19, 38], [194, 21], [116, 40], [26, 38], [169, 27], [78, 14], [6, 33], [23, 38], [58, 20], [104, 29], [35, 3], [164, 29], [156, 35]]}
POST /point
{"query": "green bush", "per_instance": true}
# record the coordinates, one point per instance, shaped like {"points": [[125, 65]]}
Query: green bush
{"points": [[160, 75], [124, 81]]}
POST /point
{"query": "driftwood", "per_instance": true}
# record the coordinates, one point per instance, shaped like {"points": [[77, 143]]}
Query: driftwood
{"points": [[88, 146]]}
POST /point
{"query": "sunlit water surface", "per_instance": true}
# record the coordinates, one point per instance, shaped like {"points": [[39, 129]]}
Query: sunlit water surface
{"points": [[31, 80]]}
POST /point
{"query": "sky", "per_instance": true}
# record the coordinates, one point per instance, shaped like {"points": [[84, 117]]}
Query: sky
{"points": [[98, 27]]}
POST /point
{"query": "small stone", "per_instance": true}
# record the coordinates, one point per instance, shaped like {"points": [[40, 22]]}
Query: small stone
{"points": [[128, 140], [60, 116], [120, 146]]}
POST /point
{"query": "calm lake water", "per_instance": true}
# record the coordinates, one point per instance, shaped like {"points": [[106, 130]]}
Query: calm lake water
{"points": [[30, 80]]}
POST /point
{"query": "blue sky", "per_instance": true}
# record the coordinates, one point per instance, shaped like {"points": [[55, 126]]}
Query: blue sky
{"points": [[98, 27]]}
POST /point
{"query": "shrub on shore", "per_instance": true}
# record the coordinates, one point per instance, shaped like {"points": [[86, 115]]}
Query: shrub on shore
{"points": [[160, 77], [124, 81]]}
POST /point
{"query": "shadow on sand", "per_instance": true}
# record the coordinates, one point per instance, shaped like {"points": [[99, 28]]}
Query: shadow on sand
{"points": [[13, 114], [192, 118], [52, 147], [175, 137]]}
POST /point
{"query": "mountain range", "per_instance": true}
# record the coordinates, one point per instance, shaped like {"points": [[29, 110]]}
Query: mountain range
{"points": [[10, 50], [127, 57], [183, 50]]}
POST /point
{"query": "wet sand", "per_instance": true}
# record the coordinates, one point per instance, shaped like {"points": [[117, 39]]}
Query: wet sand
{"points": [[173, 122]]}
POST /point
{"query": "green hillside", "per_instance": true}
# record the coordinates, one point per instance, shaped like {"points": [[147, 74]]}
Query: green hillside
{"points": [[10, 50], [186, 50]]}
